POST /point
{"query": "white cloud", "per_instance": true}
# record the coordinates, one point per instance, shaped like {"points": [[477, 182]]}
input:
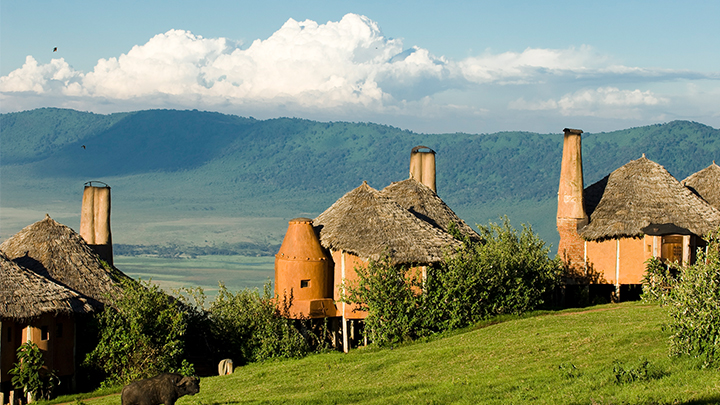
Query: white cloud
{"points": [[55, 76], [168, 63], [347, 68], [513, 67], [601, 102]]}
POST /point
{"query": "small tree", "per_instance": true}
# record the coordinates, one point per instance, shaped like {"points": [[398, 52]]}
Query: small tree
{"points": [[389, 294], [141, 334], [695, 305], [29, 374]]}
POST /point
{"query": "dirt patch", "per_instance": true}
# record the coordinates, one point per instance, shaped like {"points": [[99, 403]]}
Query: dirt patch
{"points": [[612, 308]]}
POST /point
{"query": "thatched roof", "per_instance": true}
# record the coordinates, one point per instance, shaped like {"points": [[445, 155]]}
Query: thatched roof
{"points": [[706, 184], [25, 294], [422, 202], [641, 193], [370, 225], [57, 252]]}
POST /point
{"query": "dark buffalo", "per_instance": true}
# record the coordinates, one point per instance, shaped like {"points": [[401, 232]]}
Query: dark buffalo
{"points": [[165, 389]]}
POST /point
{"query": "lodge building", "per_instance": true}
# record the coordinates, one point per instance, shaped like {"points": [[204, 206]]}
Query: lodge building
{"points": [[638, 211]]}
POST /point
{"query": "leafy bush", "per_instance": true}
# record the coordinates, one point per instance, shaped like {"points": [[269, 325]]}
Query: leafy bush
{"points": [[642, 371], [29, 375], [141, 335], [695, 306], [658, 281], [389, 294], [248, 326], [505, 273]]}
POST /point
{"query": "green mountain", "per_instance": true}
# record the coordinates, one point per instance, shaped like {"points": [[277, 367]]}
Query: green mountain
{"points": [[203, 178]]}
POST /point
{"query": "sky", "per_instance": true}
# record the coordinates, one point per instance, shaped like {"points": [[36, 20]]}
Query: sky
{"points": [[427, 66]]}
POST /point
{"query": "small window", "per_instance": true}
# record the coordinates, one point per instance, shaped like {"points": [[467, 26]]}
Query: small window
{"points": [[304, 283], [44, 333], [9, 334], [59, 332]]}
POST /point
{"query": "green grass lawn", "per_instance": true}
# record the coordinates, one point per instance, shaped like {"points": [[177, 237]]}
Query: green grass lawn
{"points": [[569, 357]]}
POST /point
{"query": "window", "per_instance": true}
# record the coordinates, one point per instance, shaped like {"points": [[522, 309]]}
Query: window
{"points": [[304, 283], [44, 333], [9, 334], [59, 331]]}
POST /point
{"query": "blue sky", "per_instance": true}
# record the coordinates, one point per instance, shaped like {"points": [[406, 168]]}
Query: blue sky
{"points": [[428, 66]]}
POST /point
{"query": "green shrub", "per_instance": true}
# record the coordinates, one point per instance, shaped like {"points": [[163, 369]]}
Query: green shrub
{"points": [[141, 335], [658, 281], [249, 327], [389, 294], [504, 273], [641, 371], [695, 306], [29, 374]]}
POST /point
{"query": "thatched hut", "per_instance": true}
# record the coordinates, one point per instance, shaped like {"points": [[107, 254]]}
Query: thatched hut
{"points": [[34, 308], [369, 225], [406, 222], [366, 225], [637, 212], [641, 193], [641, 211], [57, 252], [425, 204], [706, 184]]}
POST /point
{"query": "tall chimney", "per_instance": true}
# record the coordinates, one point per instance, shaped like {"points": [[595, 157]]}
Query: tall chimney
{"points": [[422, 166], [95, 220], [571, 214]]}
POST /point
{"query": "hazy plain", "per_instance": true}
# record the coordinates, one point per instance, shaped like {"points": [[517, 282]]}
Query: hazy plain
{"points": [[236, 272]]}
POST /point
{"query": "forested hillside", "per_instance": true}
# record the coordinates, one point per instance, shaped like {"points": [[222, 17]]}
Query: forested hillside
{"points": [[172, 165]]}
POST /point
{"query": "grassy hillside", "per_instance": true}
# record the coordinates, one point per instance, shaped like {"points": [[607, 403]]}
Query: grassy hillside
{"points": [[556, 358], [172, 167]]}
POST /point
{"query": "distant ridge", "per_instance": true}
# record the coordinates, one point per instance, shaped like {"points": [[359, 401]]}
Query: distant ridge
{"points": [[223, 165]]}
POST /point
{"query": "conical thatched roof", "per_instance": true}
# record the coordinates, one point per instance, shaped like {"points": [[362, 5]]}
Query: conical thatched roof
{"points": [[57, 252], [422, 202], [25, 294], [641, 193], [368, 224], [706, 184]]}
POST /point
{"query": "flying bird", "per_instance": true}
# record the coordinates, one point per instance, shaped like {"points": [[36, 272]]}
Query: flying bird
{"points": [[55, 49], [83, 146]]}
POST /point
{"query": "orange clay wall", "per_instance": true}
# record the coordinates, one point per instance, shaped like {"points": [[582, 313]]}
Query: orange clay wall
{"points": [[350, 311], [57, 344], [602, 256]]}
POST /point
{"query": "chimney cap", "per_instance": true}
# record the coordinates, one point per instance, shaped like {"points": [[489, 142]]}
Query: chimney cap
{"points": [[90, 183], [418, 149], [572, 131]]}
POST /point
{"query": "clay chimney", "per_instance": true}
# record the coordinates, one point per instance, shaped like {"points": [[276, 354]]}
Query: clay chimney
{"points": [[95, 220], [422, 166], [303, 269], [571, 214]]}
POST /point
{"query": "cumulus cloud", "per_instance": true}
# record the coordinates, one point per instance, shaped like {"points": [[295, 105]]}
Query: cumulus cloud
{"points": [[55, 76], [348, 66]]}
